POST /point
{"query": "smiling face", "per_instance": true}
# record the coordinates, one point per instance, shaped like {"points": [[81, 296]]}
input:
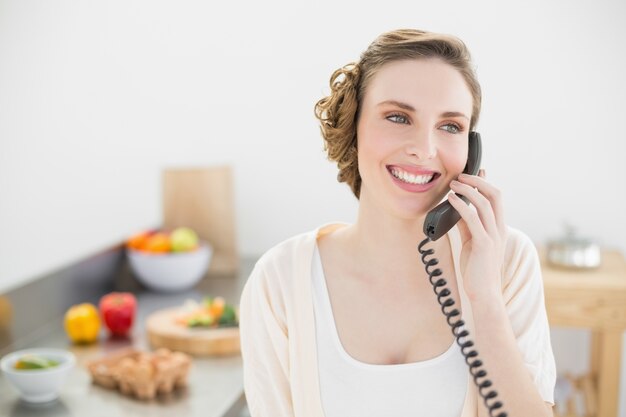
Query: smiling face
{"points": [[412, 135]]}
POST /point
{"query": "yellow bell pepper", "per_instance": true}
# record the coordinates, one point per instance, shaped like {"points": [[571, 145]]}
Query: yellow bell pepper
{"points": [[82, 323]]}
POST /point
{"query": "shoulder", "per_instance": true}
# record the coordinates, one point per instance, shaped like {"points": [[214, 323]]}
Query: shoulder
{"points": [[521, 264], [288, 253], [519, 247], [294, 255], [274, 271]]}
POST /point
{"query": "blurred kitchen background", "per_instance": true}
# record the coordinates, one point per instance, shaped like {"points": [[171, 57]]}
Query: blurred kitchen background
{"points": [[98, 98]]}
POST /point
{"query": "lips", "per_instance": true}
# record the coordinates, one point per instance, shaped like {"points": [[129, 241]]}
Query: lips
{"points": [[413, 179]]}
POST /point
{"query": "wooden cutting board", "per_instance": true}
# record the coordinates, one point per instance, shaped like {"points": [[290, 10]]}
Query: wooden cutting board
{"points": [[203, 198], [163, 331]]}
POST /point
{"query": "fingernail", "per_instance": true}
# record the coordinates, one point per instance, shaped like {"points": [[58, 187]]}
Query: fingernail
{"points": [[454, 182]]}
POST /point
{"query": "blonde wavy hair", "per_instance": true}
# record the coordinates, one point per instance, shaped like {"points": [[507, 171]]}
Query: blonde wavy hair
{"points": [[338, 113]]}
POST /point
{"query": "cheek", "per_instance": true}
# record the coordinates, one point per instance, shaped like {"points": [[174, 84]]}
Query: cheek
{"points": [[372, 143], [372, 149], [454, 159]]}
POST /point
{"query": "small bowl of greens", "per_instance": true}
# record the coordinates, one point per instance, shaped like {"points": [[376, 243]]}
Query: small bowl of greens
{"points": [[38, 374]]}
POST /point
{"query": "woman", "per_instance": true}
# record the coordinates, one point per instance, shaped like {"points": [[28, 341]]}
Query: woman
{"points": [[342, 321]]}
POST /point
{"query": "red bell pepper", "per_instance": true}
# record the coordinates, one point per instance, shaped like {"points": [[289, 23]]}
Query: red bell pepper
{"points": [[118, 312]]}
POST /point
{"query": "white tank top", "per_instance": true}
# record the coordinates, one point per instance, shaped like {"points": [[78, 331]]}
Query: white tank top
{"points": [[435, 387]]}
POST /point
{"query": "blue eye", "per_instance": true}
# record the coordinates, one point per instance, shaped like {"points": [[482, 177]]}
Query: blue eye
{"points": [[455, 128], [398, 118]]}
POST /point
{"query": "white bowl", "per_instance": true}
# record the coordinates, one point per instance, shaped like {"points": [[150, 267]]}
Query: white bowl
{"points": [[170, 272], [38, 385]]}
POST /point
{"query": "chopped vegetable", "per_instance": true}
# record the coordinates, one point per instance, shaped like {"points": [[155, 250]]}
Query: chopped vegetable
{"points": [[34, 362], [211, 312], [229, 316]]}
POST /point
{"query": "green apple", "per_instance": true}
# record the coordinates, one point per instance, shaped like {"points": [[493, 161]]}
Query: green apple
{"points": [[183, 239]]}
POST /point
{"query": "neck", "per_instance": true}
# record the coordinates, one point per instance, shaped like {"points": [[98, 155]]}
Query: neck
{"points": [[386, 245]]}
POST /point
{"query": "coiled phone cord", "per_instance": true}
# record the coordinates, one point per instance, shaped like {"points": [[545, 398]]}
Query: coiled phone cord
{"points": [[446, 301]]}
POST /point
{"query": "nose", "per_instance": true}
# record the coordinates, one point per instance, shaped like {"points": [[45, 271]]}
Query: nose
{"points": [[422, 145]]}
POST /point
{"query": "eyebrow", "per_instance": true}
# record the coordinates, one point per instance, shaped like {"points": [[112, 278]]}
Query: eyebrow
{"points": [[411, 108]]}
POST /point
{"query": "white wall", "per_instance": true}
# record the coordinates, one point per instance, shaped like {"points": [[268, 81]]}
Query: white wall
{"points": [[97, 97]]}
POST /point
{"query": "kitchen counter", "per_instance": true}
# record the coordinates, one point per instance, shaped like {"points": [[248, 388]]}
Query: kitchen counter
{"points": [[215, 385]]}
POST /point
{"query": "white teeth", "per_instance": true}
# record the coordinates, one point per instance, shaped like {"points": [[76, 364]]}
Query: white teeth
{"points": [[410, 178]]}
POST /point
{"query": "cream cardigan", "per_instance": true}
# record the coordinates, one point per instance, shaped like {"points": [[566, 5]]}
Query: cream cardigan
{"points": [[278, 328]]}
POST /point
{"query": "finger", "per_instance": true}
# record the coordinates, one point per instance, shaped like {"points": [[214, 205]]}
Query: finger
{"points": [[464, 231], [470, 216], [492, 193], [482, 204]]}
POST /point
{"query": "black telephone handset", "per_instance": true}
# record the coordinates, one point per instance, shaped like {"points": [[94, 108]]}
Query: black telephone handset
{"points": [[443, 217], [438, 222]]}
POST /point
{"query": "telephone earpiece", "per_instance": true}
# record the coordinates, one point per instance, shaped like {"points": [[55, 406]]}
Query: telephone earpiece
{"points": [[443, 217]]}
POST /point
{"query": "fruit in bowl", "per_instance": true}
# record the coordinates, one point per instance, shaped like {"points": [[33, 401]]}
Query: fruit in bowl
{"points": [[184, 239], [169, 262], [38, 374]]}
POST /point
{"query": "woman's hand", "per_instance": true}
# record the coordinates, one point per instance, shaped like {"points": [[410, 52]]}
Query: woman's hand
{"points": [[483, 236]]}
